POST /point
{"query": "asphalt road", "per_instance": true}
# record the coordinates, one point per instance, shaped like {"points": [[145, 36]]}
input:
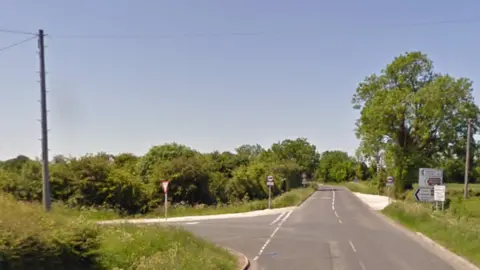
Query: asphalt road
{"points": [[331, 230]]}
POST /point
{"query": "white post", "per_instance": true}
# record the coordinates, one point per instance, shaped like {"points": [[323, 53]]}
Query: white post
{"points": [[269, 196], [166, 204]]}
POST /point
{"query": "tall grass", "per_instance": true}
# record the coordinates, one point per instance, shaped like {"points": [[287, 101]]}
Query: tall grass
{"points": [[33, 239]]}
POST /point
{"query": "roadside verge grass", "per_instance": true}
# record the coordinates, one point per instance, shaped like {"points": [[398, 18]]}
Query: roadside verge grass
{"points": [[291, 198], [458, 233], [157, 247], [33, 239], [365, 187]]}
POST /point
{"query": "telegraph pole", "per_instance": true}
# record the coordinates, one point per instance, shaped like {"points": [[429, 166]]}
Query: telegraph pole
{"points": [[467, 159], [46, 198]]}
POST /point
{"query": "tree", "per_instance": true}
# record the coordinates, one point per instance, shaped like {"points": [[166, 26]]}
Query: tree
{"points": [[335, 166], [415, 114], [299, 151]]}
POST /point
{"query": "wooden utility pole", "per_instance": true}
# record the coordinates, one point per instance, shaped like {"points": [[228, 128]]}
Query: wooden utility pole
{"points": [[467, 158], [46, 195]]}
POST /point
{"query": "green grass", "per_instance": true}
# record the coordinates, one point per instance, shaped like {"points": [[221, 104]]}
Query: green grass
{"points": [[456, 230], [290, 198], [129, 247], [33, 239], [362, 187]]}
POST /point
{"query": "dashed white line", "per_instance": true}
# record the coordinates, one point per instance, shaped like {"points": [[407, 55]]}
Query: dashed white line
{"points": [[273, 234], [353, 247], [278, 218], [362, 266], [340, 221], [191, 223], [336, 214]]}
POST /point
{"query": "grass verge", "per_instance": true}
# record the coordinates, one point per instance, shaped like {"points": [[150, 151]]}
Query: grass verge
{"points": [[142, 248], [291, 198], [459, 233], [361, 187], [33, 239]]}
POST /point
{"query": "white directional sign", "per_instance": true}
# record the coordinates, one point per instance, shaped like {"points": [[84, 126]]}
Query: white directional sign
{"points": [[424, 194], [439, 193], [270, 181], [428, 177]]}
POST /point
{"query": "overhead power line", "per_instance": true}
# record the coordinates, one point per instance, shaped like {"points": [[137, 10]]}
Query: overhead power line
{"points": [[10, 31], [16, 44], [252, 33], [158, 36]]}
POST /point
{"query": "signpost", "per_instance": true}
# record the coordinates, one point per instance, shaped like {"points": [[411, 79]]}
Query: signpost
{"points": [[389, 185], [270, 183], [165, 190], [390, 181], [304, 179], [428, 181], [439, 195], [424, 194], [430, 177]]}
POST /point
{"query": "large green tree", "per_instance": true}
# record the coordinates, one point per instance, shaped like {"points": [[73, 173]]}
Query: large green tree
{"points": [[414, 114]]}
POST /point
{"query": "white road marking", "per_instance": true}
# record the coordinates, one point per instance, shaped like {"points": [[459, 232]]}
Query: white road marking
{"points": [[353, 247], [362, 266], [273, 234], [278, 218], [333, 199], [340, 221], [336, 214], [191, 223], [336, 255]]}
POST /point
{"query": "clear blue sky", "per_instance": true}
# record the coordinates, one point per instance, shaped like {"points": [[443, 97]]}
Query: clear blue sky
{"points": [[295, 77]]}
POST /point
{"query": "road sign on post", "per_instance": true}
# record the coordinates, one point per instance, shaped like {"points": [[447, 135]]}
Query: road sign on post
{"points": [[424, 194], [390, 181], [428, 177], [270, 183], [165, 191], [304, 179], [439, 195]]}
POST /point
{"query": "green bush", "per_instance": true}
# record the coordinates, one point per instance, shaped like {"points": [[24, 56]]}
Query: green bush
{"points": [[31, 239]]}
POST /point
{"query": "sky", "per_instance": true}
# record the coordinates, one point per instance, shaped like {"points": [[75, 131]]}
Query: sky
{"points": [[125, 75]]}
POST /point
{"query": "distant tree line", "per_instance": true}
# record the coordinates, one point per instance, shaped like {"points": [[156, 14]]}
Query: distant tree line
{"points": [[131, 184]]}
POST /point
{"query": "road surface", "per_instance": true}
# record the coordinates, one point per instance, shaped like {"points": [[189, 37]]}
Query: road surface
{"points": [[331, 230]]}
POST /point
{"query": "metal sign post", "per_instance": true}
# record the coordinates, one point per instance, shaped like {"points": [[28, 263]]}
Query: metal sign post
{"points": [[439, 196], [270, 184], [389, 184], [428, 178], [165, 190]]}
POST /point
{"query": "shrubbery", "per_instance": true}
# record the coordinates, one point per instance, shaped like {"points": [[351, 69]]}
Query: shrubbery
{"points": [[31, 239], [131, 185]]}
